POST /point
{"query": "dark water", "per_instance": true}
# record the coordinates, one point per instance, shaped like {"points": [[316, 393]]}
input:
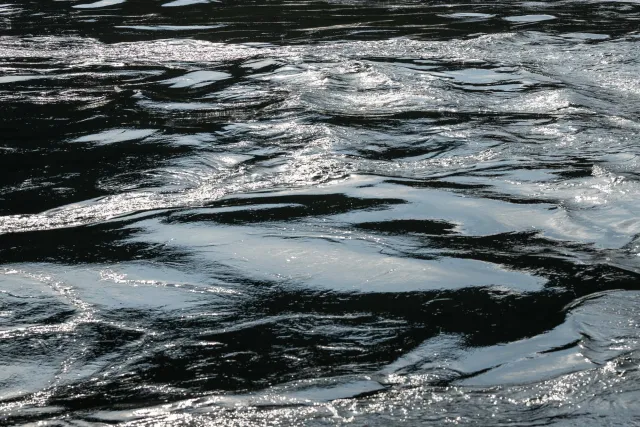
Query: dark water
{"points": [[319, 213]]}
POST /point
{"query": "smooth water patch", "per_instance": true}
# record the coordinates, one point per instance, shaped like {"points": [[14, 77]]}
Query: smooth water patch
{"points": [[15, 79], [469, 16], [197, 79], [178, 3], [169, 27], [527, 19], [98, 4], [116, 135], [334, 262]]}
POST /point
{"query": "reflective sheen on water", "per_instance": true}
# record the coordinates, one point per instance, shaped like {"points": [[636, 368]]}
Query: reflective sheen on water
{"points": [[238, 213]]}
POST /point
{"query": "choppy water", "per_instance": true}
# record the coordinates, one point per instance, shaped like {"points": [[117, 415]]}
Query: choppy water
{"points": [[319, 213]]}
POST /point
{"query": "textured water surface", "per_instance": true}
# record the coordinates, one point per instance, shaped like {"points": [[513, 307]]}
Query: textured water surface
{"points": [[319, 213]]}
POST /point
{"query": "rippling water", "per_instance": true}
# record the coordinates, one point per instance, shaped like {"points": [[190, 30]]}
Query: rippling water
{"points": [[319, 213]]}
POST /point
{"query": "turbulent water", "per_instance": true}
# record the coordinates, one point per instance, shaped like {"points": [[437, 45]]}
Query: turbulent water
{"points": [[240, 213]]}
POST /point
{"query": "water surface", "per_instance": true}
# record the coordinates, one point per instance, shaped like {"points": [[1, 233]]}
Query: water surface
{"points": [[319, 213]]}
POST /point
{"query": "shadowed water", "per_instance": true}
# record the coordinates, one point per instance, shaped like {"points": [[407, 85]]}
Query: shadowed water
{"points": [[319, 213]]}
